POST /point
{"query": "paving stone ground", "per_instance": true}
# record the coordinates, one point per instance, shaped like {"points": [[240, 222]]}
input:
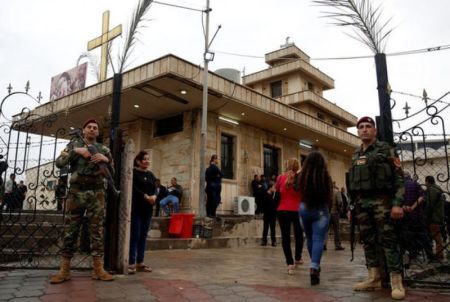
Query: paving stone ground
{"points": [[238, 274]]}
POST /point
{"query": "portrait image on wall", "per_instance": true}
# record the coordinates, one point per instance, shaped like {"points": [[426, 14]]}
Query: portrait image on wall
{"points": [[68, 82]]}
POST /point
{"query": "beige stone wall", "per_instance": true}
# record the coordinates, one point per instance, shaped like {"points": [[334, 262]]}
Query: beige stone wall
{"points": [[338, 165], [249, 142], [177, 155]]}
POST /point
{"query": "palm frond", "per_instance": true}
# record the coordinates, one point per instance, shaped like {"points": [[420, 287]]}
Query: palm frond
{"points": [[92, 62], [363, 17], [133, 32]]}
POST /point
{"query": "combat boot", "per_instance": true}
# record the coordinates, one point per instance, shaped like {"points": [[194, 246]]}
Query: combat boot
{"points": [[373, 281], [398, 291], [98, 273], [64, 272]]}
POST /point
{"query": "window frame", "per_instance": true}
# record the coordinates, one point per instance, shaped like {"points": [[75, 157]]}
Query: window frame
{"points": [[279, 85], [228, 166]]}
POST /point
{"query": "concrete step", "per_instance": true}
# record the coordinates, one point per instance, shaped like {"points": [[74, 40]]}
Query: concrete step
{"points": [[200, 243], [228, 232]]}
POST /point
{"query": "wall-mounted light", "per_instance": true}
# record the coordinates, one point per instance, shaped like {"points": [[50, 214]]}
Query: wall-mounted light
{"points": [[228, 120], [183, 91], [243, 113], [305, 144], [284, 129], [317, 140], [136, 106]]}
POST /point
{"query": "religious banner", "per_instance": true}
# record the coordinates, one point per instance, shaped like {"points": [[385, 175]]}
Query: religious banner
{"points": [[68, 82]]}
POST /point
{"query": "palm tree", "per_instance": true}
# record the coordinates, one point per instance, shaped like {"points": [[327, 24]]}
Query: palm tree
{"points": [[363, 17], [373, 32]]}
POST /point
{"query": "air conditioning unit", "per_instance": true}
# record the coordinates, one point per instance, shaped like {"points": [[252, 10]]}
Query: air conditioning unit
{"points": [[244, 205]]}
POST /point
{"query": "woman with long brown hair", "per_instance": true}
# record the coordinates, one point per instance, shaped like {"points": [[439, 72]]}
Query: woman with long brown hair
{"points": [[142, 201], [287, 213], [315, 186]]}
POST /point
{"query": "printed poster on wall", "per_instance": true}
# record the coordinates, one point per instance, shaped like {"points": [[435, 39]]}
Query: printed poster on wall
{"points": [[68, 82]]}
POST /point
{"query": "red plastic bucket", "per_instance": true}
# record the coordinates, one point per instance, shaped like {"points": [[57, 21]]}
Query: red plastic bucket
{"points": [[176, 225], [188, 221]]}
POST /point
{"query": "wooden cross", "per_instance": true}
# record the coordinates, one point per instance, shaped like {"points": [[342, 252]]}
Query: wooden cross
{"points": [[107, 35]]}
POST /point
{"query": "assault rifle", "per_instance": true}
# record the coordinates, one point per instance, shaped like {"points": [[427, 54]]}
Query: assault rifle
{"points": [[102, 166], [353, 222]]}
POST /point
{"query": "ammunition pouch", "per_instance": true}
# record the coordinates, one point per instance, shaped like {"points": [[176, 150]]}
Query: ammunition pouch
{"points": [[86, 186]]}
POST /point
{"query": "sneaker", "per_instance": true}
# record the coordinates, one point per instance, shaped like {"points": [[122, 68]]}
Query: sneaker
{"points": [[290, 269], [264, 243], [274, 244], [340, 248]]}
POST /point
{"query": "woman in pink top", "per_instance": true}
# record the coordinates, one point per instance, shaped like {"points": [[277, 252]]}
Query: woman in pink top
{"points": [[287, 213]]}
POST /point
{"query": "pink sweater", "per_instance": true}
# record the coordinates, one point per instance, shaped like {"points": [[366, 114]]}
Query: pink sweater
{"points": [[289, 198]]}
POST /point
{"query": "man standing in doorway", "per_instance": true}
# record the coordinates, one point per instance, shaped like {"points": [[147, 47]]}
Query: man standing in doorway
{"points": [[213, 177], [377, 188], [86, 194]]}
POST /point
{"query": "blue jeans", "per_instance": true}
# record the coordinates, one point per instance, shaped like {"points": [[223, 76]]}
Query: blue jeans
{"points": [[315, 223], [170, 199], [140, 223]]}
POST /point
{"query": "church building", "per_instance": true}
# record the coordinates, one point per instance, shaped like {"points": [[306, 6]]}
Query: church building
{"points": [[254, 124]]}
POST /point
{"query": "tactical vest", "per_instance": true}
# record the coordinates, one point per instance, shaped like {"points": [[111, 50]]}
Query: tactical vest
{"points": [[372, 171]]}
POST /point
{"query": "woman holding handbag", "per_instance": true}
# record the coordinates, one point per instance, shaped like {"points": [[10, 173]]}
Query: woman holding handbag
{"points": [[287, 213]]}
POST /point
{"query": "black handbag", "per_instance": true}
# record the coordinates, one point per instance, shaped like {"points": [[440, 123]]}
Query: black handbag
{"points": [[276, 198]]}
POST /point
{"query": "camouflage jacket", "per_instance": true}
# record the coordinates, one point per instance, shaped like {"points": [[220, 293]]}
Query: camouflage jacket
{"points": [[83, 171]]}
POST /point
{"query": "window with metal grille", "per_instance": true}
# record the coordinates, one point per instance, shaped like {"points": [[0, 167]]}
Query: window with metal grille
{"points": [[227, 151]]}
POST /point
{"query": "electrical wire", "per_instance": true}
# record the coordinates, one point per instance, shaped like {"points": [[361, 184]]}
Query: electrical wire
{"points": [[178, 6], [399, 53]]}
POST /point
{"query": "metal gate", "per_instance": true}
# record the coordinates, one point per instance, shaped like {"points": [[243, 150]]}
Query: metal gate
{"points": [[33, 190], [423, 145]]}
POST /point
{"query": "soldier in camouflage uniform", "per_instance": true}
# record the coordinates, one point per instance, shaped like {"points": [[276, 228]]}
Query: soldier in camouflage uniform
{"points": [[86, 194], [377, 189]]}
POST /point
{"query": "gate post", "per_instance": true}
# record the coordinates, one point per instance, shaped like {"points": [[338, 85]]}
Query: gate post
{"points": [[112, 207], [126, 190], [385, 132]]}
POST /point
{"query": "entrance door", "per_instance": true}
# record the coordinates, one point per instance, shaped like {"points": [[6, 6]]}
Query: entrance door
{"points": [[271, 160]]}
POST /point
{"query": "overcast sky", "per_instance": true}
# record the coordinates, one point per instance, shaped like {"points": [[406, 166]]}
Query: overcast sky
{"points": [[40, 39]]}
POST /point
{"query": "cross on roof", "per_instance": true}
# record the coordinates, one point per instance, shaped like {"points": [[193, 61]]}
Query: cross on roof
{"points": [[287, 43], [106, 36]]}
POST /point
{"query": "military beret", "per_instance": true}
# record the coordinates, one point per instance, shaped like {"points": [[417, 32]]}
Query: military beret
{"points": [[90, 120], [365, 119]]}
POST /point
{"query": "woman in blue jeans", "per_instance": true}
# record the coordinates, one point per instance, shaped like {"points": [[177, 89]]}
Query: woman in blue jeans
{"points": [[142, 202], [315, 185]]}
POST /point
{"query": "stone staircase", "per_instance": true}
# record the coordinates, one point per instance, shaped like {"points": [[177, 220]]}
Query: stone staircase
{"points": [[229, 231], [28, 234]]}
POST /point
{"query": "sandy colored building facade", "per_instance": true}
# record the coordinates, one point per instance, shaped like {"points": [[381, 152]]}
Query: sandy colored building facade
{"points": [[254, 127]]}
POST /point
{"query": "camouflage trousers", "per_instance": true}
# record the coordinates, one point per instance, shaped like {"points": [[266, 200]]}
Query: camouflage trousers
{"points": [[91, 202], [378, 234]]}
